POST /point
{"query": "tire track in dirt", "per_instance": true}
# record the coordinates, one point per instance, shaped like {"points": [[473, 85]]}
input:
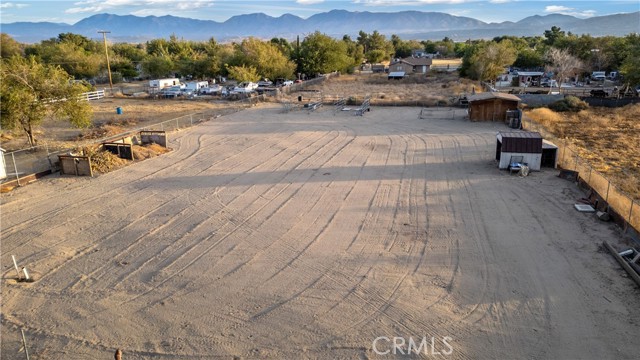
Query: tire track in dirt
{"points": [[217, 242]]}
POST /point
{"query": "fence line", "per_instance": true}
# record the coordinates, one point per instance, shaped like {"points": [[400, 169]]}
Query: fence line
{"points": [[23, 165], [627, 208]]}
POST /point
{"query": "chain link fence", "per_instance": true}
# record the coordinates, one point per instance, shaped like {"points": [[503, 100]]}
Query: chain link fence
{"points": [[569, 158]]}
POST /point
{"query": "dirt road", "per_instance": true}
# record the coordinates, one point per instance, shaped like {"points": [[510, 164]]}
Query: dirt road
{"points": [[291, 236]]}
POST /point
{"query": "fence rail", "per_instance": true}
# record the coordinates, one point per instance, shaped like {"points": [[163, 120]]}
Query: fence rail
{"points": [[620, 202], [93, 95]]}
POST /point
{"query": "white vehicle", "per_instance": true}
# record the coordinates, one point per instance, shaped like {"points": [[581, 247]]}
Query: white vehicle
{"points": [[160, 84], [598, 76], [265, 83], [287, 83], [211, 90], [195, 86], [172, 91], [245, 87]]}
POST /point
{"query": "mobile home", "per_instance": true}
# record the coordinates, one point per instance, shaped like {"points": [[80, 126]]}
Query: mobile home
{"points": [[195, 86], [160, 84]]}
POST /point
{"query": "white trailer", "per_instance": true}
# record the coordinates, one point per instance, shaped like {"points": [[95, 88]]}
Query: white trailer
{"points": [[160, 84], [195, 86]]}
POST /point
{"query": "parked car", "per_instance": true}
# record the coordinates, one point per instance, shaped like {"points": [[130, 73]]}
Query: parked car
{"points": [[188, 92], [245, 87], [214, 89], [171, 91], [265, 83], [287, 83]]}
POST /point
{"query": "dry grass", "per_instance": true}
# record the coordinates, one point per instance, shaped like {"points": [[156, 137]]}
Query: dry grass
{"points": [[103, 161], [608, 138], [148, 151], [430, 90]]}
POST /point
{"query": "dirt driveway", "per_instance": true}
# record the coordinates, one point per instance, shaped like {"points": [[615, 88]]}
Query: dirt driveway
{"points": [[311, 235]]}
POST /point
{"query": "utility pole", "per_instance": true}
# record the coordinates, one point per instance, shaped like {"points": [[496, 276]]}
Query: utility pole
{"points": [[106, 52]]}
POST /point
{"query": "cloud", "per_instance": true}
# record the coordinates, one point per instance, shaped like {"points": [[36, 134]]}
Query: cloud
{"points": [[309, 2], [407, 2], [565, 10], [500, 1], [12, 5], [162, 6]]}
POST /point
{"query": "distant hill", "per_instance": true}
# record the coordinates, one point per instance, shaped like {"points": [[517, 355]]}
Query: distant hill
{"points": [[406, 24]]}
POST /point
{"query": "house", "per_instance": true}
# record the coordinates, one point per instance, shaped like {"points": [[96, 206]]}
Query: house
{"points": [[410, 65], [491, 106], [529, 78], [378, 68], [417, 53]]}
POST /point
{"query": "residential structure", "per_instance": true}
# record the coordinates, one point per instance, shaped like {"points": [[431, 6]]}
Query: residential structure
{"points": [[411, 65]]}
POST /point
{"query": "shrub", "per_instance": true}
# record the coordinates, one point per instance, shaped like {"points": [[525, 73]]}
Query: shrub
{"points": [[569, 103]]}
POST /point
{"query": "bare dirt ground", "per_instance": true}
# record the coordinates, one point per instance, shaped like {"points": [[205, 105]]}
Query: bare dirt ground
{"points": [[307, 236]]}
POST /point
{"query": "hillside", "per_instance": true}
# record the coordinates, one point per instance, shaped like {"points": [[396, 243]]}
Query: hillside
{"points": [[406, 24]]}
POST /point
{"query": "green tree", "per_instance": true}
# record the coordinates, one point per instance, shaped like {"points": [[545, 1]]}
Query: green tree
{"points": [[630, 68], [9, 47], [157, 66], [266, 57], [553, 36], [486, 60], [528, 59], [31, 91], [321, 54], [243, 73]]}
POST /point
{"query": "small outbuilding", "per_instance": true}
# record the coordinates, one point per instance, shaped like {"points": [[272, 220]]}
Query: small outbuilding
{"points": [[491, 106], [529, 78], [524, 147]]}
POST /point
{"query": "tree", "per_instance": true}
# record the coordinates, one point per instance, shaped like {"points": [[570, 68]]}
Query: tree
{"points": [[9, 47], [529, 59], [630, 68], [243, 73], [563, 64], [552, 36], [486, 60], [157, 66], [30, 91], [321, 54], [266, 57]]}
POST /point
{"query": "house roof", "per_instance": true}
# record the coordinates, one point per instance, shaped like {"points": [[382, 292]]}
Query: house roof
{"points": [[492, 95], [413, 61]]}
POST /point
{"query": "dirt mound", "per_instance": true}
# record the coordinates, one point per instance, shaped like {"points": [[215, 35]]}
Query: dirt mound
{"points": [[148, 151]]}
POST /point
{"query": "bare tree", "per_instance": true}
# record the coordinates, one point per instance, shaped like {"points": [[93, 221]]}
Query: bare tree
{"points": [[563, 64]]}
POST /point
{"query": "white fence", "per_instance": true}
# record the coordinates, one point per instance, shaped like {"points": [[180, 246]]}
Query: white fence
{"points": [[93, 95]]}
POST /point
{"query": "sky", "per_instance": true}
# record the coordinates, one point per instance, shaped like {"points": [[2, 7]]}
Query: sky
{"points": [[71, 12]]}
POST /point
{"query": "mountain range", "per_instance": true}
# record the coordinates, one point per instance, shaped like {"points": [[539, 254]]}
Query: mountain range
{"points": [[406, 24]]}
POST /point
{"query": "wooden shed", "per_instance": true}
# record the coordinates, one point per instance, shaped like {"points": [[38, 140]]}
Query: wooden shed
{"points": [[491, 106], [521, 146]]}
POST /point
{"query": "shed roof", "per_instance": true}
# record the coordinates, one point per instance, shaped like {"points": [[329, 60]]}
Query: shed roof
{"points": [[492, 95], [530, 73], [520, 134]]}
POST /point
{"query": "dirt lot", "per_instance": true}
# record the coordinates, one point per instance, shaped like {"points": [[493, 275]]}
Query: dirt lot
{"points": [[309, 235]]}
